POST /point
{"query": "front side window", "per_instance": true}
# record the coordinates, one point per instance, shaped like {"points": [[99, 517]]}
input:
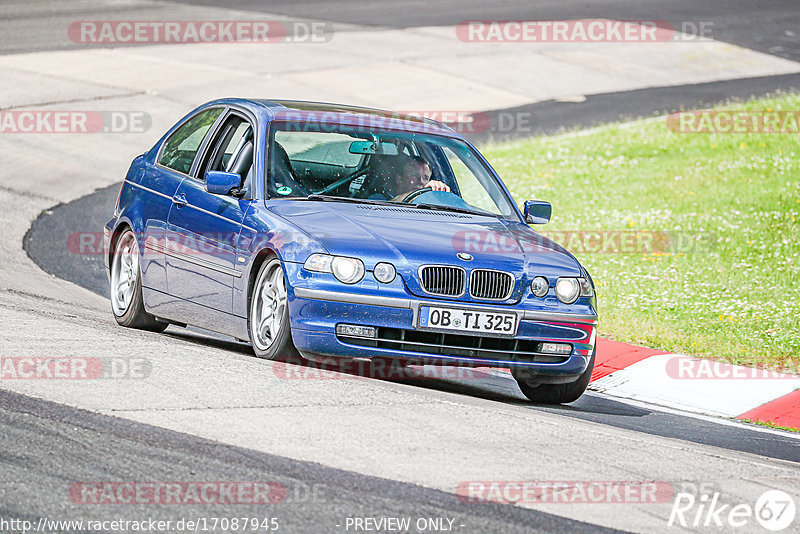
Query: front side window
{"points": [[231, 149], [181, 148], [350, 163]]}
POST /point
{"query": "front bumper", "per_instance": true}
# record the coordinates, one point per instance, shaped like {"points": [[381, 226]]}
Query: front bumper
{"points": [[316, 312]]}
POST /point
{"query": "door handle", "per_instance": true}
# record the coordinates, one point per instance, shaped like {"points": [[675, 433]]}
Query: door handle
{"points": [[179, 200]]}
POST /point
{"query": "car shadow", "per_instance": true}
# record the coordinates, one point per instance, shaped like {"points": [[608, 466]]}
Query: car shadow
{"points": [[589, 403], [478, 382], [208, 339]]}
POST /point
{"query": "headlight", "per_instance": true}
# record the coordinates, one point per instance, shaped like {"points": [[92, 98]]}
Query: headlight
{"points": [[384, 272], [347, 270], [569, 289], [540, 286]]}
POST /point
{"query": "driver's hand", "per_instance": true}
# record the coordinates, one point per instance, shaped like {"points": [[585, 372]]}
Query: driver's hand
{"points": [[436, 185]]}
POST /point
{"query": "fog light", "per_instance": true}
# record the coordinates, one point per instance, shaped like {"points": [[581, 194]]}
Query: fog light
{"points": [[354, 330], [540, 286], [384, 272], [556, 348]]}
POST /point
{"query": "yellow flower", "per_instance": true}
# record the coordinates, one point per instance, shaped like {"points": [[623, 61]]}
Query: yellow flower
{"points": [[742, 145], [713, 145]]}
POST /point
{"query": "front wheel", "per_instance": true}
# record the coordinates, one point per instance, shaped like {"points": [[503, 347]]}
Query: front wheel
{"points": [[126, 286], [268, 317], [557, 393]]}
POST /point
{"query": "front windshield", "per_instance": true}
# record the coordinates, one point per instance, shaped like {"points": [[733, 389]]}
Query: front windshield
{"points": [[371, 165]]}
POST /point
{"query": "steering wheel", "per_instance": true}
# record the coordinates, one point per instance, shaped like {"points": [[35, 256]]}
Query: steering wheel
{"points": [[414, 194]]}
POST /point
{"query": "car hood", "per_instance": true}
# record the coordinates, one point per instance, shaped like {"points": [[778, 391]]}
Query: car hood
{"points": [[411, 237]]}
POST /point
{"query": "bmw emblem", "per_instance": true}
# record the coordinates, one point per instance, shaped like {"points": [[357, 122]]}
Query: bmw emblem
{"points": [[464, 256]]}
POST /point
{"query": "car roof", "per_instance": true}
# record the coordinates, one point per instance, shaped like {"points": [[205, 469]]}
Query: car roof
{"points": [[324, 112]]}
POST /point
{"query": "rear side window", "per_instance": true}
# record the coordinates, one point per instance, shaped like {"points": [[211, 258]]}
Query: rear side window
{"points": [[181, 147]]}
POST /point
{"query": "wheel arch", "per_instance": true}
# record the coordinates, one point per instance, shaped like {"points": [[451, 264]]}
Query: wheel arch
{"points": [[258, 260], [119, 229]]}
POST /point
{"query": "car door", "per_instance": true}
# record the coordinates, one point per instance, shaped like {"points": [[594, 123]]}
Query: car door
{"points": [[203, 228], [159, 182]]}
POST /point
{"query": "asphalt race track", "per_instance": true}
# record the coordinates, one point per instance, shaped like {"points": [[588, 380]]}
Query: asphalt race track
{"points": [[347, 447], [43, 245], [107, 447]]}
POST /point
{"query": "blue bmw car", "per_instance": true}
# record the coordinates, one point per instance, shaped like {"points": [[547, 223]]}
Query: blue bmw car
{"points": [[327, 231]]}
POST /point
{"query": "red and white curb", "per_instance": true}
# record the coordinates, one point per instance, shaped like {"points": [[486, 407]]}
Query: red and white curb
{"points": [[696, 385], [692, 385]]}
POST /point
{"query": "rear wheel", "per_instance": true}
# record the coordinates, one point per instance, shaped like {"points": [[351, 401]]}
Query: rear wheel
{"points": [[556, 393], [268, 317], [126, 286]]}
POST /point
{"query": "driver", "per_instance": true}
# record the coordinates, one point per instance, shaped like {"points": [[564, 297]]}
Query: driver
{"points": [[417, 175]]}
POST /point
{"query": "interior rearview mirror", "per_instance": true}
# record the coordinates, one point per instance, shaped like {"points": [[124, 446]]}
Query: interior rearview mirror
{"points": [[537, 211], [370, 147]]}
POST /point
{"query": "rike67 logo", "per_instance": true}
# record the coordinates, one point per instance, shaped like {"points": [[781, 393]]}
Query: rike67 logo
{"points": [[774, 510]]}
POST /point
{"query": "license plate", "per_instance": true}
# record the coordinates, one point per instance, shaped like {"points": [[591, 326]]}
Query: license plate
{"points": [[461, 320]]}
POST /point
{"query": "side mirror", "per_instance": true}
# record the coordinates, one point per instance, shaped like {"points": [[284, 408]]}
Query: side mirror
{"points": [[537, 211], [222, 183]]}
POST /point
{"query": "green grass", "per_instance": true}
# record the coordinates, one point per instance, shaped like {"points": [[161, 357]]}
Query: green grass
{"points": [[736, 297], [770, 424]]}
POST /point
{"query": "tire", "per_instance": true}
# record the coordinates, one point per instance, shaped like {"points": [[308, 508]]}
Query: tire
{"points": [[127, 303], [268, 314], [557, 393]]}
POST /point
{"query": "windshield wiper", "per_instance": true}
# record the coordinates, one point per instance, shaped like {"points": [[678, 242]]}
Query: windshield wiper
{"points": [[458, 210], [332, 198]]}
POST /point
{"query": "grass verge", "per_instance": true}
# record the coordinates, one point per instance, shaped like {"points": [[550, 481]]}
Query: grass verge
{"points": [[770, 424], [719, 277]]}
